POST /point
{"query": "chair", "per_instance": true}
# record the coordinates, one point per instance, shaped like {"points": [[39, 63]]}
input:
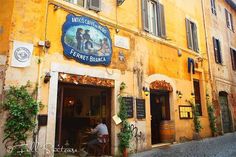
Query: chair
{"points": [[102, 146]]}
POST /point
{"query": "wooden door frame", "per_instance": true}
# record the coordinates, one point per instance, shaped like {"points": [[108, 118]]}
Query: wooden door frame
{"points": [[225, 94], [99, 72], [65, 86]]}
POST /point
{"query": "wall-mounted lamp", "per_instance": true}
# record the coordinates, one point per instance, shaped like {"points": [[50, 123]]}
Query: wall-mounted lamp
{"points": [[192, 95], [56, 7], [47, 77], [146, 91], [120, 2], [117, 30], [179, 52], [179, 94]]}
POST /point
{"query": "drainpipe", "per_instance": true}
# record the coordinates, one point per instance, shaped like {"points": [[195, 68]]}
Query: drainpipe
{"points": [[38, 95], [207, 46]]}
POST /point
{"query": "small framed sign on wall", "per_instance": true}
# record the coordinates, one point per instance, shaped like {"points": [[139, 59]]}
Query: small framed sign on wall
{"points": [[140, 108], [185, 112], [130, 106]]}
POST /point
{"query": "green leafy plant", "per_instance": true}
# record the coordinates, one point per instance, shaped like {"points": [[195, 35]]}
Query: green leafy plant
{"points": [[22, 109], [125, 134], [212, 118], [196, 117], [122, 86]]}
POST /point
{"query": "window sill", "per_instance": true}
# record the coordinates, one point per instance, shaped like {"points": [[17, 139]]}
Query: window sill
{"points": [[73, 7], [168, 42], [231, 30]]}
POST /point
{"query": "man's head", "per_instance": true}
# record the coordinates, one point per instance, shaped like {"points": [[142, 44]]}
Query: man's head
{"points": [[101, 120]]}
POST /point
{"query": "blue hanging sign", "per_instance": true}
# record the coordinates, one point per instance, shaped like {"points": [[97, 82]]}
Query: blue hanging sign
{"points": [[86, 41]]}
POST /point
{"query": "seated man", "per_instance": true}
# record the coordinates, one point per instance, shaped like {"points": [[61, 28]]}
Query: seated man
{"points": [[100, 130]]}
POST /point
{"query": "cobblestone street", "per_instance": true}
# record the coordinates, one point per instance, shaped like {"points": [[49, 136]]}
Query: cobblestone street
{"points": [[222, 146]]}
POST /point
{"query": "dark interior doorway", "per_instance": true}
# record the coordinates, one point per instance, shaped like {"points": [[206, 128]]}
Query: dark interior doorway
{"points": [[160, 111], [226, 116], [78, 109]]}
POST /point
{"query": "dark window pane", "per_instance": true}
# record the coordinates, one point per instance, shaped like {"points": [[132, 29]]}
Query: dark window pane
{"points": [[197, 96]]}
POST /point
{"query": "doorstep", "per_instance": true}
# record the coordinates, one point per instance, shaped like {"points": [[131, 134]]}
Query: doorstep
{"points": [[161, 145]]}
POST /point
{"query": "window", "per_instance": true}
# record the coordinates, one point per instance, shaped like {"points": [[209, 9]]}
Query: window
{"points": [[192, 39], [233, 58], [217, 51], [153, 18], [213, 7], [90, 4], [197, 93], [229, 20], [77, 2]]}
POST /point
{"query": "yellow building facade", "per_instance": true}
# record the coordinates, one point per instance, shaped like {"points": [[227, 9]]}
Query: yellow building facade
{"points": [[155, 45]]}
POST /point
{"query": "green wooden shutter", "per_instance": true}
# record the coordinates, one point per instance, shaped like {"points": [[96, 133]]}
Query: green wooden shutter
{"points": [[195, 38], [145, 15], [215, 50], [188, 33]]}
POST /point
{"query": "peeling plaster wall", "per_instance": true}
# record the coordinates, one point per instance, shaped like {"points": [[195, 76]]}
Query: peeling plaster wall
{"points": [[224, 78]]}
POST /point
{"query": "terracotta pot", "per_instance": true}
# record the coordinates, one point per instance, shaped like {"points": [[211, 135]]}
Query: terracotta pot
{"points": [[125, 152]]}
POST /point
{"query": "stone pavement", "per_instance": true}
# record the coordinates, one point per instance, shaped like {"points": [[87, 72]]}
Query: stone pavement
{"points": [[221, 146]]}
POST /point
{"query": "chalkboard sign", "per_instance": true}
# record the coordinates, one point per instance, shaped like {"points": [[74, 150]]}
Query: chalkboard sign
{"points": [[129, 104], [140, 108]]}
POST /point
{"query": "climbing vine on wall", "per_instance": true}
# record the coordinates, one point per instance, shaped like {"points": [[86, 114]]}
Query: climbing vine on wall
{"points": [[22, 109], [212, 118], [196, 118]]}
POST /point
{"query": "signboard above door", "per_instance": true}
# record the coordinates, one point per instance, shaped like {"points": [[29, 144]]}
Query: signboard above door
{"points": [[86, 41]]}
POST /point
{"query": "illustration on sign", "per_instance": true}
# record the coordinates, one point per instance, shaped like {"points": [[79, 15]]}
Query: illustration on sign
{"points": [[22, 53], [86, 41]]}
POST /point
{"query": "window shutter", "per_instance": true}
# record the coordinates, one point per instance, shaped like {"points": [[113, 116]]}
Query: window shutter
{"points": [[233, 58], [145, 15], [188, 32], [213, 7], [231, 20], [215, 50], [219, 53], [95, 5], [195, 38], [161, 20], [227, 18]]}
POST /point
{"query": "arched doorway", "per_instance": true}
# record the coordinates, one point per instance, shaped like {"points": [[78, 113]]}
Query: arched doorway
{"points": [[162, 128], [225, 112]]}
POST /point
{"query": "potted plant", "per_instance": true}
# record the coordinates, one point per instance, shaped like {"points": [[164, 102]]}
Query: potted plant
{"points": [[125, 134]]}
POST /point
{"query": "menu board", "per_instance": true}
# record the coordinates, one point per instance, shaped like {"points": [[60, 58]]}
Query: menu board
{"points": [[185, 112], [129, 104], [140, 108]]}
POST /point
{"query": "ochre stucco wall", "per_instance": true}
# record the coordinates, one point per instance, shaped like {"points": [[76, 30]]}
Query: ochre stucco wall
{"points": [[35, 20]]}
